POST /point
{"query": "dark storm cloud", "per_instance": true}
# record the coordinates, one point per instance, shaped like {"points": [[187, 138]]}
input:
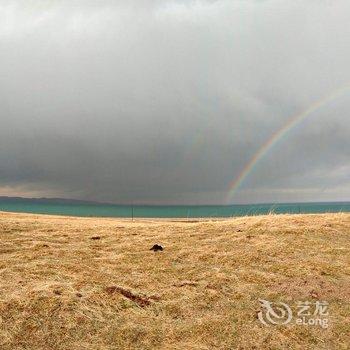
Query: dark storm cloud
{"points": [[166, 101]]}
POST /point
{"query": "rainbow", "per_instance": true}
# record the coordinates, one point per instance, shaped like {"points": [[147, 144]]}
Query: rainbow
{"points": [[277, 136]]}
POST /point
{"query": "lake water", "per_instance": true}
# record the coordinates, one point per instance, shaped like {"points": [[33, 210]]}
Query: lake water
{"points": [[109, 210]]}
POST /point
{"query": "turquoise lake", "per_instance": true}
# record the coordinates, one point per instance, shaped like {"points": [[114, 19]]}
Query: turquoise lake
{"points": [[178, 211]]}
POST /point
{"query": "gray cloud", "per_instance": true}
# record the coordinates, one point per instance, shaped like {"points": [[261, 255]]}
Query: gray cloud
{"points": [[166, 101]]}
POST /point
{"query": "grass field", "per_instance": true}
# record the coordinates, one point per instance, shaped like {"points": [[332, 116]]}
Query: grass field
{"points": [[91, 283]]}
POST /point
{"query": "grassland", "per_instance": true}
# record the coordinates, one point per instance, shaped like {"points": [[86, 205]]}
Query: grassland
{"points": [[90, 283]]}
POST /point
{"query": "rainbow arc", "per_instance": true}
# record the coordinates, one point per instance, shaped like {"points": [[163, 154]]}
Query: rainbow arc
{"points": [[277, 136]]}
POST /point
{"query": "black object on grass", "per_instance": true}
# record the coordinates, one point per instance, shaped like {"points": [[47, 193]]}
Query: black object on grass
{"points": [[157, 248]]}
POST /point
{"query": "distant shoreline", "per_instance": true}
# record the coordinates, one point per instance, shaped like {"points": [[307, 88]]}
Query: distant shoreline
{"points": [[186, 212], [161, 219], [57, 200]]}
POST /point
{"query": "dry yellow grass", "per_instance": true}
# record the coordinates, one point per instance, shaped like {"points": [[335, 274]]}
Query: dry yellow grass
{"points": [[61, 289]]}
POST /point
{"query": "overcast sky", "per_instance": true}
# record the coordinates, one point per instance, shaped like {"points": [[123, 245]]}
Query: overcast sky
{"points": [[166, 101]]}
